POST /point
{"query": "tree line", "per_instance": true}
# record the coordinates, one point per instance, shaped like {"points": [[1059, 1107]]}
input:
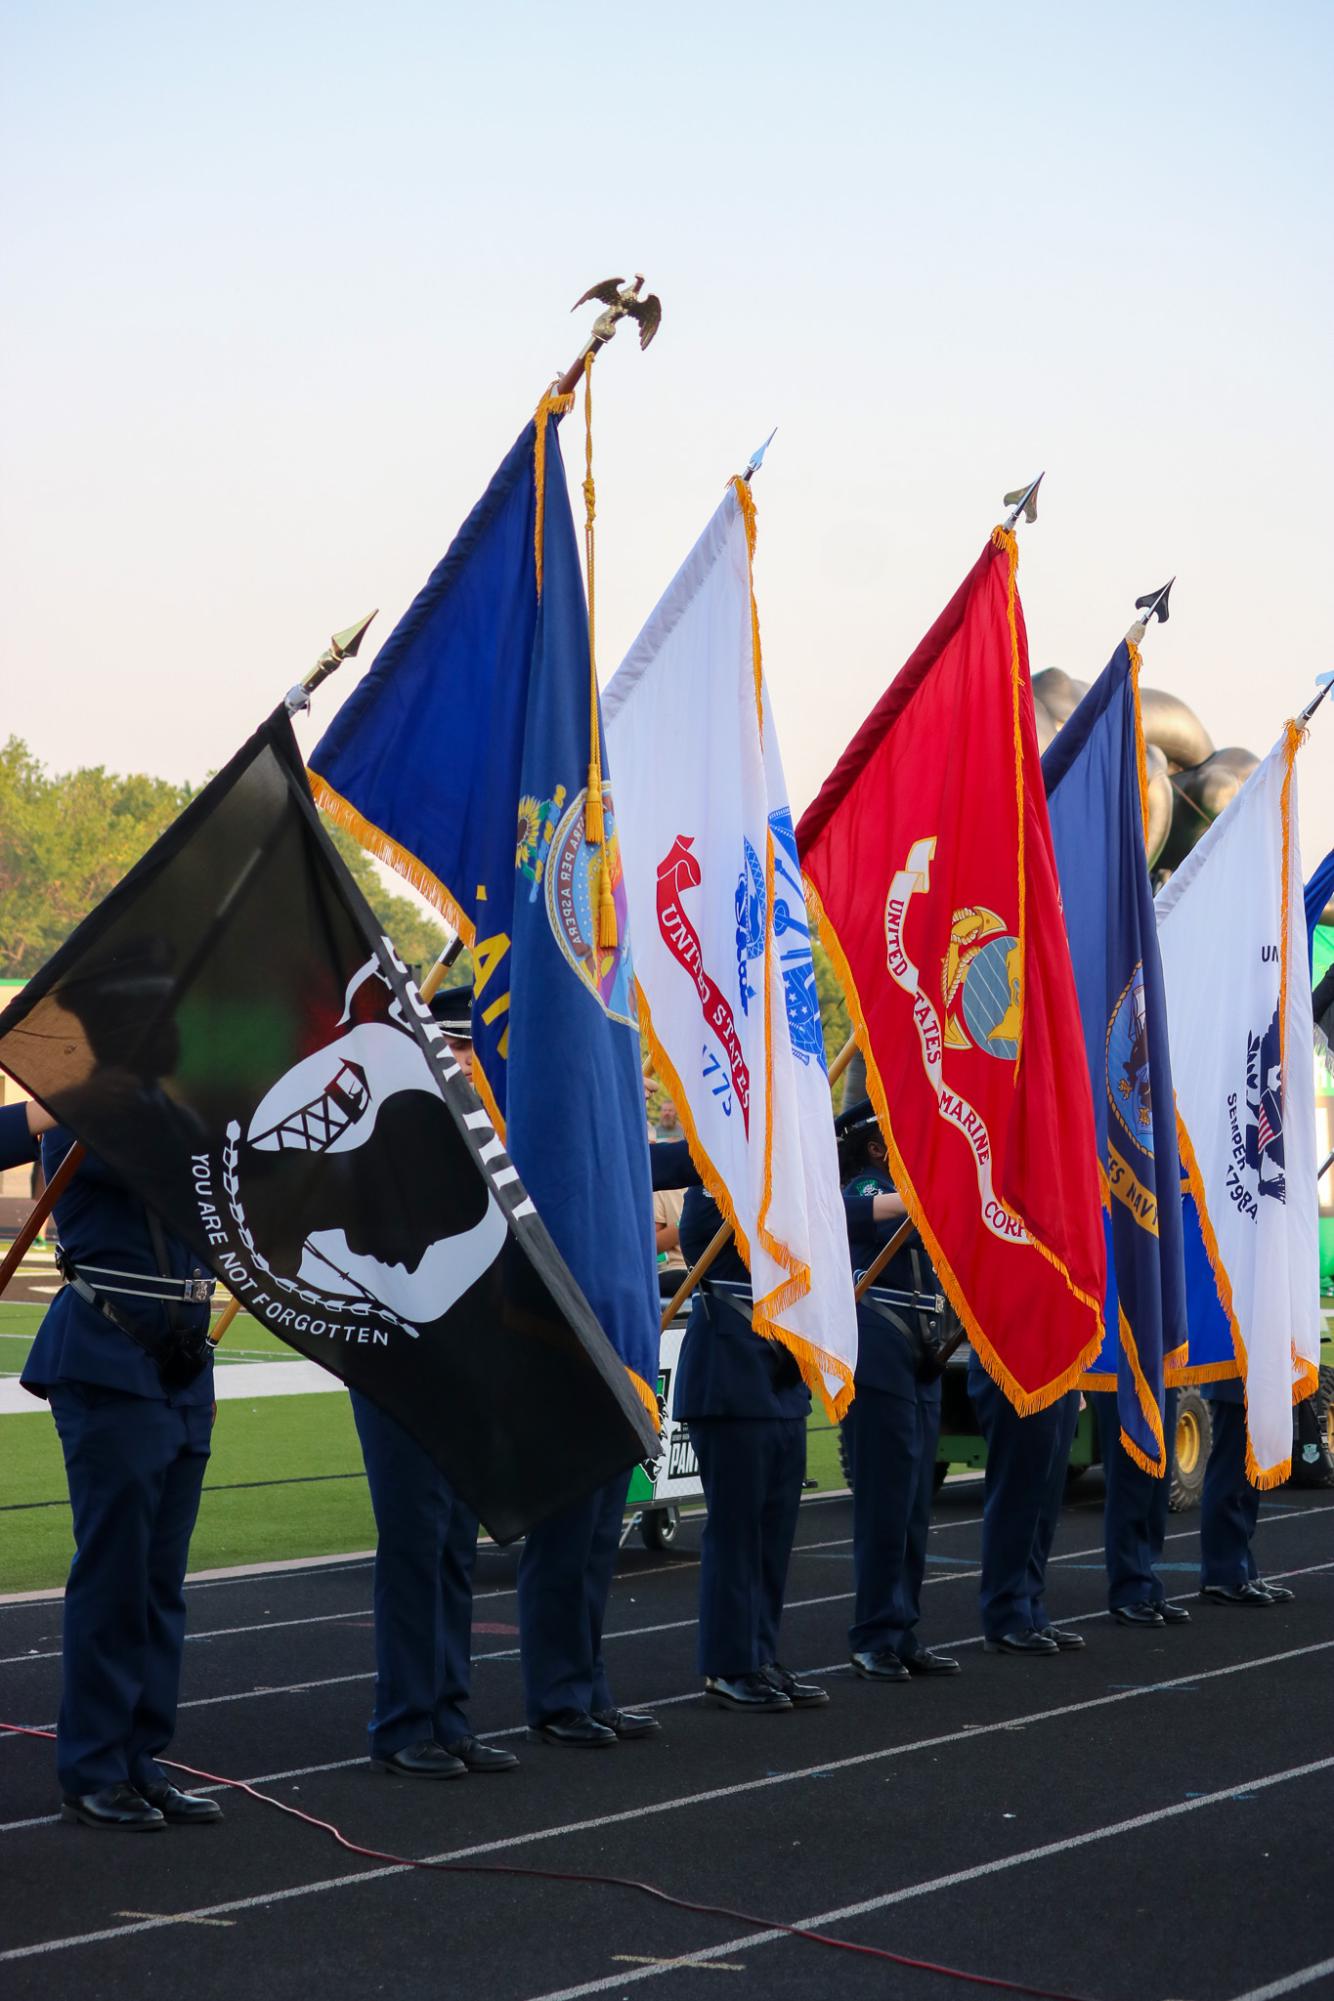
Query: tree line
{"points": [[67, 838]]}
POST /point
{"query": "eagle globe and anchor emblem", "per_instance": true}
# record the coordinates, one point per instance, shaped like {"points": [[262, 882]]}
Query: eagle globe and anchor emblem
{"points": [[559, 864], [982, 984]]}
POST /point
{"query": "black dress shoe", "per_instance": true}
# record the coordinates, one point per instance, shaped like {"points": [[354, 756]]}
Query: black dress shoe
{"points": [[628, 1722], [1023, 1640], [1065, 1641], [801, 1694], [926, 1661], [745, 1691], [1279, 1594], [1173, 1615], [427, 1760], [1143, 1614], [189, 1809], [114, 1806], [1254, 1596], [480, 1757], [879, 1664], [573, 1728]]}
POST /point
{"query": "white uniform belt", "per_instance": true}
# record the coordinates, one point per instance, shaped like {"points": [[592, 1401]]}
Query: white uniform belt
{"points": [[144, 1285]]}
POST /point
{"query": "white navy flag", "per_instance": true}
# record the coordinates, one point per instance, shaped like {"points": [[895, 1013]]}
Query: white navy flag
{"points": [[722, 944], [1232, 932]]}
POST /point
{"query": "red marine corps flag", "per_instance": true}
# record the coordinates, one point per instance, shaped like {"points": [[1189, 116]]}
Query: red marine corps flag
{"points": [[930, 857]]}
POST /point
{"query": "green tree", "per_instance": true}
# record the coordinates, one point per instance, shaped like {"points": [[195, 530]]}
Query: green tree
{"points": [[64, 842], [67, 839]]}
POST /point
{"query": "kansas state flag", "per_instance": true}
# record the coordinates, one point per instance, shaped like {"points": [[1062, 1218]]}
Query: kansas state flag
{"points": [[1094, 778], [462, 759]]}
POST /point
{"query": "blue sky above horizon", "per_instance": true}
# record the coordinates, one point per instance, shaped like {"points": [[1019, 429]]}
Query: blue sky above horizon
{"points": [[283, 282]]}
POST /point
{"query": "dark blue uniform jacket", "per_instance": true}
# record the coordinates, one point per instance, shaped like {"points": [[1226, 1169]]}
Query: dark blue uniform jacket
{"points": [[726, 1369], [884, 1355], [99, 1222]]}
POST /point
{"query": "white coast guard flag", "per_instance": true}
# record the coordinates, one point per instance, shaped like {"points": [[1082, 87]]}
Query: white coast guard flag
{"points": [[1232, 931], [722, 948]]}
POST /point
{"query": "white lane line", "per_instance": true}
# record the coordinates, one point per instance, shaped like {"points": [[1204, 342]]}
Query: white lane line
{"points": [[1288, 1984], [956, 1878], [627, 1633], [348, 1560], [364, 1612], [643, 1811]]}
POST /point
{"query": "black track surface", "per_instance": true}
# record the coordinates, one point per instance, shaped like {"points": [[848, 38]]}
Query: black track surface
{"points": [[1180, 1780]]}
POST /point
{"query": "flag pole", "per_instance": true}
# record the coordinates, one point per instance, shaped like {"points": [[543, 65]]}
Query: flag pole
{"points": [[342, 646], [883, 1256], [41, 1209], [723, 1237], [1326, 683]]}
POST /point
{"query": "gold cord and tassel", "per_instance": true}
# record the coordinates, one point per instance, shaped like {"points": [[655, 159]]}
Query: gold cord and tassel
{"points": [[595, 826]]}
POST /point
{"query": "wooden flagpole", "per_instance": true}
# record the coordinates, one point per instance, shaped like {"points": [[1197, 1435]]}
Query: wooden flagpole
{"points": [[41, 1209]]}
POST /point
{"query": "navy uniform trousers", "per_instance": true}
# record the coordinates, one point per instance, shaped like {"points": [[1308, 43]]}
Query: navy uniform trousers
{"points": [[891, 1427], [752, 1471], [135, 1456], [425, 1552], [1135, 1516], [565, 1574], [892, 1436], [1027, 1459], [1229, 1504], [746, 1406], [135, 1467]]}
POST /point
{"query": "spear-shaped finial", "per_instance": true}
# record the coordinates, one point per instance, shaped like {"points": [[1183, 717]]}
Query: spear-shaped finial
{"points": [[1152, 605], [621, 301], [757, 456], [1024, 500], [341, 647]]}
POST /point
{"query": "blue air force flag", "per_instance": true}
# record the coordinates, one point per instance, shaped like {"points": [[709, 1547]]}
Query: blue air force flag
{"points": [[1094, 778], [463, 759], [1232, 932]]}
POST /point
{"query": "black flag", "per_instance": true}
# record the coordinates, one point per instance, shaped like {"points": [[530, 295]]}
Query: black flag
{"points": [[232, 1035]]}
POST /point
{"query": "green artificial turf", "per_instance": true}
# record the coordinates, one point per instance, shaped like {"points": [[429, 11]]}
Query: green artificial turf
{"points": [[285, 1480]]}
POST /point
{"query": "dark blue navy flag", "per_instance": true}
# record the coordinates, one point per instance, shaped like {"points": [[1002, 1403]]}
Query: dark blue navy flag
{"points": [[1094, 781], [463, 759]]}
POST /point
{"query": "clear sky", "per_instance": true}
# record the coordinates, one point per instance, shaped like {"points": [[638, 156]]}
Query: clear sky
{"points": [[283, 281]]}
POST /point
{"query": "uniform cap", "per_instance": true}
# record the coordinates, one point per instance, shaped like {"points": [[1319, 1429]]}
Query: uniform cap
{"points": [[452, 1008], [855, 1118]]}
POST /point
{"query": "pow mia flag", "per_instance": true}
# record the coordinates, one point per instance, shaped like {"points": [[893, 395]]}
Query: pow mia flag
{"points": [[229, 1032]]}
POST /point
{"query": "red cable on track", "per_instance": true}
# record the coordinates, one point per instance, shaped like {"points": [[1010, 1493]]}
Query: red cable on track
{"points": [[606, 1882]]}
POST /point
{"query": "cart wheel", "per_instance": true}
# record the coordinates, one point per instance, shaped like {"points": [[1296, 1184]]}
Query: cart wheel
{"points": [[1194, 1436], [658, 1527]]}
